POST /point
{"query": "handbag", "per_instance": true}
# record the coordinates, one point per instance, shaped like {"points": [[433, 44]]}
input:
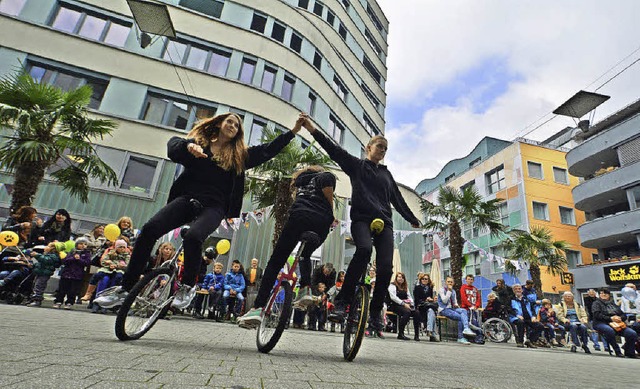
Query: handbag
{"points": [[618, 326]]}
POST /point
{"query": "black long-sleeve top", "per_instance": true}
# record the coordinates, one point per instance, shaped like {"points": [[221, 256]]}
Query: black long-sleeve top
{"points": [[373, 188], [205, 181], [603, 310], [421, 293]]}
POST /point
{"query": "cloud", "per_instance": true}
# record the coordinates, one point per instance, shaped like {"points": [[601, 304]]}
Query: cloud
{"points": [[462, 70]]}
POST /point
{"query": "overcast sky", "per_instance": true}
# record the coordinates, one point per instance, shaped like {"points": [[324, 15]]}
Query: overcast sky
{"points": [[462, 70]]}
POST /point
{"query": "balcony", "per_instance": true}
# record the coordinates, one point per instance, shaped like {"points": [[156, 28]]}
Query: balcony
{"points": [[607, 189], [599, 151], [611, 230]]}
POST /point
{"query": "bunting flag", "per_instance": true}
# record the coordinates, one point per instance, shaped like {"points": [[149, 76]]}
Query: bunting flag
{"points": [[258, 215], [404, 234]]}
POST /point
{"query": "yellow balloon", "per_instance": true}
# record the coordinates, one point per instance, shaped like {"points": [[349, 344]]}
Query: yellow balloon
{"points": [[9, 238], [223, 246], [111, 232], [62, 254]]}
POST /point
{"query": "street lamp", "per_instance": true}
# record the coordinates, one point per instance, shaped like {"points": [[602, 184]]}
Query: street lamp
{"points": [[152, 19]]}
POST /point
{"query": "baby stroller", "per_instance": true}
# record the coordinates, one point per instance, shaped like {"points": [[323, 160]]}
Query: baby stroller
{"points": [[22, 291]]}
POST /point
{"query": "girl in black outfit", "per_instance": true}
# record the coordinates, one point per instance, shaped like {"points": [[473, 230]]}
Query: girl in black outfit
{"points": [[214, 157], [22, 223], [403, 306], [373, 190], [426, 304], [58, 227], [312, 210]]}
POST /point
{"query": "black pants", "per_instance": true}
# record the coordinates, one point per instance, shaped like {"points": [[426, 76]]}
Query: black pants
{"points": [[69, 288], [404, 314], [171, 216], [533, 330], [358, 265], [296, 224]]}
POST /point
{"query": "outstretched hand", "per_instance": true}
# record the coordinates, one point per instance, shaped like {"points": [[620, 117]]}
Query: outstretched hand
{"points": [[196, 150], [306, 122], [299, 122]]}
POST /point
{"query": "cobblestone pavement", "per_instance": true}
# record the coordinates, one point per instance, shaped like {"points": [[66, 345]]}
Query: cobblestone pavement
{"points": [[43, 347]]}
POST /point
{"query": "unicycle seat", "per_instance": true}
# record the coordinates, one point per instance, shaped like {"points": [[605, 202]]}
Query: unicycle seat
{"points": [[310, 238]]}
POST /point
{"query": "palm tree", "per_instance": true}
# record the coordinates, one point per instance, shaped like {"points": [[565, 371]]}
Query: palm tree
{"points": [[270, 182], [50, 127], [455, 207], [537, 248]]}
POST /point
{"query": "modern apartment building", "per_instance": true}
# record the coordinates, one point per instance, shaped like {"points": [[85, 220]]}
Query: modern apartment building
{"points": [[266, 60], [608, 162], [532, 180]]}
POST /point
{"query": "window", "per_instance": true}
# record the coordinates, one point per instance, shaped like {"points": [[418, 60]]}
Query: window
{"points": [[535, 170], [449, 177], [342, 31], [595, 257], [540, 211], [175, 52], [496, 266], [503, 214], [372, 42], [574, 258], [287, 87], [469, 231], [340, 89], [207, 7], [92, 26], [369, 126], [560, 175], [268, 77], [345, 4], [197, 58], [68, 80], [495, 179], [371, 69], [446, 268], [330, 17], [11, 7], [370, 96], [139, 174], [335, 129], [428, 242], [634, 197], [171, 112], [317, 60], [257, 128], [303, 4], [318, 8], [374, 18], [311, 104], [277, 32], [445, 239], [258, 23], [246, 71], [474, 263], [295, 43], [219, 62], [567, 216], [475, 162], [470, 184]]}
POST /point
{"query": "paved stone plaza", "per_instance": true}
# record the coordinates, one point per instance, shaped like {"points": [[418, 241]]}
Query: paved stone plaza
{"points": [[47, 348]]}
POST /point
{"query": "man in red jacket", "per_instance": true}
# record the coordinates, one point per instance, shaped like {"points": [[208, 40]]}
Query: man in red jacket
{"points": [[471, 300]]}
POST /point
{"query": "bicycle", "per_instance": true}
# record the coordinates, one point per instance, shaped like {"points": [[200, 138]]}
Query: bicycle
{"points": [[358, 310], [278, 309], [151, 297]]}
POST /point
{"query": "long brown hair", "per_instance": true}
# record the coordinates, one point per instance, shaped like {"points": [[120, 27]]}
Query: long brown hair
{"points": [[233, 154], [24, 213], [403, 287], [296, 174]]}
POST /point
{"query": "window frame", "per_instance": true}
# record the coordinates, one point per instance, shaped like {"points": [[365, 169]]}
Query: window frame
{"points": [[335, 125], [273, 30], [571, 212], [500, 182], [546, 210], [271, 70], [317, 57], [216, 16], [288, 79], [84, 12], [577, 254], [166, 115], [505, 216], [566, 175], [297, 37], [251, 61], [19, 10], [258, 18], [531, 164], [340, 89]]}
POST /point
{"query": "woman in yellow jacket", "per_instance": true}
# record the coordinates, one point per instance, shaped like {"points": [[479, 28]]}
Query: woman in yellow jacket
{"points": [[574, 318]]}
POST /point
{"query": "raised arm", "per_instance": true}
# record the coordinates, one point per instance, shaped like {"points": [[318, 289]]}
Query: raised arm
{"points": [[262, 153], [346, 161], [178, 150]]}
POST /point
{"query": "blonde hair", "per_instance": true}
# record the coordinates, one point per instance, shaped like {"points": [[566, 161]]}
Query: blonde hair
{"points": [[377, 138], [296, 174], [125, 219], [545, 301], [233, 155]]}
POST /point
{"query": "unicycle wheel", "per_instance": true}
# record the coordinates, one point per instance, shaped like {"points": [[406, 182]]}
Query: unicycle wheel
{"points": [[275, 321], [356, 322]]}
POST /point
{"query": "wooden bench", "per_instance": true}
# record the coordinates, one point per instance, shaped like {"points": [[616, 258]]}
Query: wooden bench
{"points": [[450, 331], [393, 316]]}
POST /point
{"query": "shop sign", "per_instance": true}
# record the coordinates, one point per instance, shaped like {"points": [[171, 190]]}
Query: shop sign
{"points": [[621, 274]]}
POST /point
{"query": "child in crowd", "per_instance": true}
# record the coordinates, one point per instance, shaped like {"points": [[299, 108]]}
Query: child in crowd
{"points": [[214, 283], [126, 229], [547, 317], [45, 266], [318, 311], [233, 287], [14, 270], [113, 262], [332, 294], [72, 273]]}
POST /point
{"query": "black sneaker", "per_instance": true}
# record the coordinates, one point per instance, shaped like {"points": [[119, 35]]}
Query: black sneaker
{"points": [[339, 312]]}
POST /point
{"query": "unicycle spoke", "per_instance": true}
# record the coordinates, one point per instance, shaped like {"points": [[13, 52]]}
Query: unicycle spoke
{"points": [[355, 324], [275, 319]]}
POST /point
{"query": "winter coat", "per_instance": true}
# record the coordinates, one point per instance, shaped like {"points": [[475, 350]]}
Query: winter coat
{"points": [[561, 310], [111, 257], [74, 268], [516, 309], [46, 264], [234, 281], [603, 311], [213, 280]]}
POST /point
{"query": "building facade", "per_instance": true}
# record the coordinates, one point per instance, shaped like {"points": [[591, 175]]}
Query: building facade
{"points": [[533, 182], [266, 60], [608, 162]]}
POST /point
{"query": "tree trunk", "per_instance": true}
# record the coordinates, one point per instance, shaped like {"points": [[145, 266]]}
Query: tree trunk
{"points": [[281, 207], [25, 184], [534, 269], [456, 244]]}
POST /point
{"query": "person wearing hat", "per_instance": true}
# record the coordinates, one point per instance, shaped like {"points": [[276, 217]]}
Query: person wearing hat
{"points": [[72, 273], [45, 266], [114, 262]]}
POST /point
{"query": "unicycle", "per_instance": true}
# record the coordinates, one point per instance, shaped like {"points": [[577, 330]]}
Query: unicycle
{"points": [[151, 297], [278, 309], [358, 310]]}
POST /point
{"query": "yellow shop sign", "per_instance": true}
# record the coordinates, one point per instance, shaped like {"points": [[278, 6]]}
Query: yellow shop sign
{"points": [[622, 274]]}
